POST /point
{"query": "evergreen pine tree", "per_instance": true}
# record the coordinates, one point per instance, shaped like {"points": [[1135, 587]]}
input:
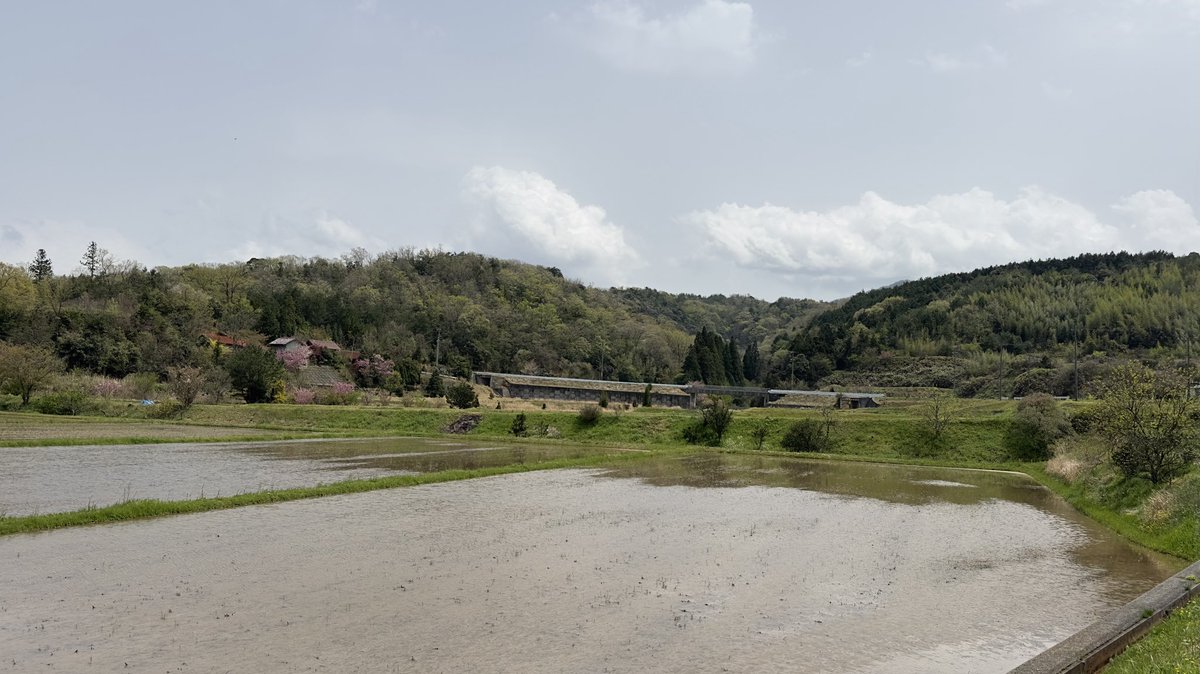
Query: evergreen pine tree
{"points": [[40, 267], [750, 363], [91, 259], [434, 387]]}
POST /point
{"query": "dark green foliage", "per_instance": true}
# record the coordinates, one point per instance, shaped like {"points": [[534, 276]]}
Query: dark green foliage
{"points": [[807, 435], [604, 398], [1038, 380], [519, 425], [811, 435], [406, 377], [715, 418], [91, 259], [67, 403], [590, 414], [646, 396], [1149, 420], [1037, 423], [1085, 420], [253, 372], [759, 433], [717, 415], [751, 363], [41, 269], [462, 395], [712, 360], [434, 387]]}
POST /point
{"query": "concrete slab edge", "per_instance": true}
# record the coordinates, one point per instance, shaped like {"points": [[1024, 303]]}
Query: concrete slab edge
{"points": [[1091, 648]]}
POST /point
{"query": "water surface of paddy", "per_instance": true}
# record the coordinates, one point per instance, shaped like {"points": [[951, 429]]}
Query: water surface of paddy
{"points": [[708, 563], [57, 479]]}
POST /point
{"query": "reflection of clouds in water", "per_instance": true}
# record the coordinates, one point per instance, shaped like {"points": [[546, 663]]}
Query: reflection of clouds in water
{"points": [[943, 483]]}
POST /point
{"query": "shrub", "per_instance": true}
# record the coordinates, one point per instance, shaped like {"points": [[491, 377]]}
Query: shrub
{"points": [[141, 385], [696, 433], [590, 414], [67, 403], [341, 393], [604, 398], [710, 428], [807, 435], [759, 433], [186, 384], [434, 387], [1037, 423], [303, 396], [1084, 420], [252, 372], [166, 409], [462, 395], [646, 398], [1147, 419], [716, 415], [519, 427]]}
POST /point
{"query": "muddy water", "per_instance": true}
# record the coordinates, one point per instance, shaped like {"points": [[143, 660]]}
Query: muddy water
{"points": [[707, 564], [56, 479]]}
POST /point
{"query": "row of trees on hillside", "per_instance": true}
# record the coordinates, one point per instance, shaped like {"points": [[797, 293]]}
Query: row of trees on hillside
{"points": [[717, 362]]}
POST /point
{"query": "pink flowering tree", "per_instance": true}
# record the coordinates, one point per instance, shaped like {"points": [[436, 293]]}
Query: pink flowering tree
{"points": [[106, 388], [295, 360], [372, 372], [303, 396]]}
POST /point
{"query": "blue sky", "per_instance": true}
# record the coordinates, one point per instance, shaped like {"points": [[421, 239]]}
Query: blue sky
{"points": [[767, 147]]}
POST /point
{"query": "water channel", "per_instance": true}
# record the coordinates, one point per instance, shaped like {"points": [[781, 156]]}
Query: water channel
{"points": [[704, 563]]}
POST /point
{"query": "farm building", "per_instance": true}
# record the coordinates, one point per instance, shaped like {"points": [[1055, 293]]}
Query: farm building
{"points": [[533, 387], [581, 390]]}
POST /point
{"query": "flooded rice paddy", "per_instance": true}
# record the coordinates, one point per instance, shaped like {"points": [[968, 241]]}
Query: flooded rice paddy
{"points": [[37, 480], [706, 563]]}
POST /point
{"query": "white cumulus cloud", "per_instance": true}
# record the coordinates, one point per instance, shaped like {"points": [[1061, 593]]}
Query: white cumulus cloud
{"points": [[550, 220], [709, 36], [878, 240], [319, 234]]}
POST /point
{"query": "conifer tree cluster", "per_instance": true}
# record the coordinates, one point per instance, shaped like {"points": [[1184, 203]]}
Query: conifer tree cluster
{"points": [[716, 362]]}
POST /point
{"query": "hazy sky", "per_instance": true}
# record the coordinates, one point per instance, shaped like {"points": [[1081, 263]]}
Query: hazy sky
{"points": [[770, 147]]}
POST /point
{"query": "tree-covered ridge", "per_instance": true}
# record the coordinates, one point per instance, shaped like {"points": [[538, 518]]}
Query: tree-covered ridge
{"points": [[466, 312], [461, 310], [1110, 303]]}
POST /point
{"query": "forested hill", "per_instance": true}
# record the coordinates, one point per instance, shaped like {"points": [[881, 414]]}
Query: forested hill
{"points": [[472, 312], [1112, 304], [467, 311]]}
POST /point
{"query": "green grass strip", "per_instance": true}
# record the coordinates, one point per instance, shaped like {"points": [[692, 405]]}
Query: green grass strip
{"points": [[146, 508]]}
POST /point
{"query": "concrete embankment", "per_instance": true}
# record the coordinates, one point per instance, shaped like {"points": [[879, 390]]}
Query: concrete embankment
{"points": [[1090, 649]]}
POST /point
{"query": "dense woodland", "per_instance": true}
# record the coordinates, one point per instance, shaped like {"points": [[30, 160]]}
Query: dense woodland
{"points": [[463, 312]]}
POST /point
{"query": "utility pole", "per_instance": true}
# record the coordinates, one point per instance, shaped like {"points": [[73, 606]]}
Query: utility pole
{"points": [[1075, 339]]}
